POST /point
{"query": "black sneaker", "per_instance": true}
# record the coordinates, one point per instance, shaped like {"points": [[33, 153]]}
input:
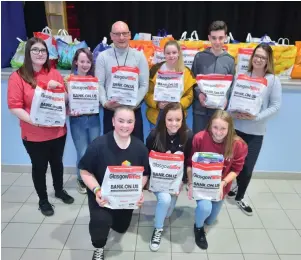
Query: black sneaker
{"points": [[244, 206], [64, 196], [154, 244], [46, 208], [232, 193], [81, 187], [200, 237], [98, 254]]}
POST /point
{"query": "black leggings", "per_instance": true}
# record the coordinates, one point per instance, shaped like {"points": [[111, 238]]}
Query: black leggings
{"points": [[254, 143], [103, 219], [40, 154]]}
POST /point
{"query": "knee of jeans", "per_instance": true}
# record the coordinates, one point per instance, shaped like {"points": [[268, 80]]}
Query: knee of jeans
{"points": [[164, 199], [204, 206]]}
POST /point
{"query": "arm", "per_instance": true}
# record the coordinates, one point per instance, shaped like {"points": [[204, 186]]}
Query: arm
{"points": [[89, 179], [100, 73], [274, 101], [143, 78], [195, 72], [22, 115]]}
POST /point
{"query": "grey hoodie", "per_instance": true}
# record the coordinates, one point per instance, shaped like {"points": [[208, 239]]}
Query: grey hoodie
{"points": [[206, 62]]}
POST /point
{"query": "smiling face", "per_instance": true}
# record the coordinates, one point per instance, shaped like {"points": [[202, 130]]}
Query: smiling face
{"points": [[173, 121], [124, 122], [120, 35], [219, 129], [171, 54], [260, 59], [83, 64], [217, 39], [38, 54]]}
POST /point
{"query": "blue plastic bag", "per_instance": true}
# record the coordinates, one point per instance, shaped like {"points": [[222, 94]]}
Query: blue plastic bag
{"points": [[67, 51], [99, 48]]}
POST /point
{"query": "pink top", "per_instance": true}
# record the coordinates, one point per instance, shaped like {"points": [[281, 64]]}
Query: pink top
{"points": [[20, 95]]}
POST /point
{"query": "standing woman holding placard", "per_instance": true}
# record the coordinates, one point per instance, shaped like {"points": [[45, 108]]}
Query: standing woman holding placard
{"points": [[174, 83]]}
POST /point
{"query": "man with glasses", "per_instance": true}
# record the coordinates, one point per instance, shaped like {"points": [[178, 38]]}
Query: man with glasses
{"points": [[123, 75], [213, 60]]}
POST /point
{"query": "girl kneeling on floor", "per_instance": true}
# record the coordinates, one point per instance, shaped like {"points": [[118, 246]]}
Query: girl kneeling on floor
{"points": [[219, 137]]}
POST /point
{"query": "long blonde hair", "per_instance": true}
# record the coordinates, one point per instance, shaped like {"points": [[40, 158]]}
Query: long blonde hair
{"points": [[231, 136], [180, 63]]}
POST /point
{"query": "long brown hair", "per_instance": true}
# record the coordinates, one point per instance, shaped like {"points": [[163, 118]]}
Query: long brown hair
{"points": [[231, 136], [26, 72], [180, 62], [269, 67], [90, 57], [161, 131]]}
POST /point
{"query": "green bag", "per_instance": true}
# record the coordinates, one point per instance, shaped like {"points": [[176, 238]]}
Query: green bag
{"points": [[18, 59]]}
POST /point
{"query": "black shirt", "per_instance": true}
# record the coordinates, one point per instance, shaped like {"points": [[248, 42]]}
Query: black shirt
{"points": [[173, 144], [104, 151]]}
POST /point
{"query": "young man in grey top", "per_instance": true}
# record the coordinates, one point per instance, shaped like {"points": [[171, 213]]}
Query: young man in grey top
{"points": [[213, 60], [121, 55]]}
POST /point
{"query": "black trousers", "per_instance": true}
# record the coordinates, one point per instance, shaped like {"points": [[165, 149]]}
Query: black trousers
{"points": [[254, 143], [103, 219], [40, 154], [108, 125]]}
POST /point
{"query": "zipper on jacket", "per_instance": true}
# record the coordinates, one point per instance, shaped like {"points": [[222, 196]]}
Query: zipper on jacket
{"points": [[215, 64]]}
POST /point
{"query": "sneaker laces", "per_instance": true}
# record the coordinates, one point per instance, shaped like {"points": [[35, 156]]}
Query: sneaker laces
{"points": [[98, 253], [157, 236], [243, 203]]}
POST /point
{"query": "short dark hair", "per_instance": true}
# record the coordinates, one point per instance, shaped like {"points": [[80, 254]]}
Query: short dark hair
{"points": [[217, 26]]}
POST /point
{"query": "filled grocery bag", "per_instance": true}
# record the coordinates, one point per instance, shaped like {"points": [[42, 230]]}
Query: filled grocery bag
{"points": [[188, 55], [100, 48], [216, 87], [161, 35], [48, 106], [47, 37], [63, 35], [83, 93], [146, 47], [18, 58], [207, 171], [247, 95], [158, 55], [296, 71], [166, 172], [122, 186]]}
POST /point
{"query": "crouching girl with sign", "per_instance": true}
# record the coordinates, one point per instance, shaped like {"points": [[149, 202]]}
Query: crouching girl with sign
{"points": [[119, 160], [219, 138], [170, 146]]}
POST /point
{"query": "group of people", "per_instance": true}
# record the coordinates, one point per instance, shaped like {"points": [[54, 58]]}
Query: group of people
{"points": [[236, 136]]}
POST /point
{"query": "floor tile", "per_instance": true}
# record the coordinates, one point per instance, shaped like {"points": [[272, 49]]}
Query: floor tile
{"points": [[79, 238], [25, 180], [241, 220], [83, 217], [264, 201], [255, 241], [190, 256], [182, 241], [9, 178], [147, 215], [261, 257], [258, 186], [4, 188], [64, 214], [50, 236], [38, 254], [290, 257], [29, 213], [222, 241], [33, 198], [78, 198], [18, 234], [182, 217], [76, 255], [296, 185], [144, 236], [151, 256], [225, 257], [17, 194], [71, 182], [286, 241], [122, 242], [118, 255], [299, 231], [230, 203], [8, 210], [280, 186], [3, 225], [11, 253], [274, 219], [287, 201]]}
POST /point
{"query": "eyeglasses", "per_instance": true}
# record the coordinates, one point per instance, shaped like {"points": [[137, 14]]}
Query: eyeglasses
{"points": [[37, 51], [262, 58], [125, 34]]}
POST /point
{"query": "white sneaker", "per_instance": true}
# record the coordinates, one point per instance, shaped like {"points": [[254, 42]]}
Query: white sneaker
{"points": [[154, 244], [244, 206], [98, 254]]}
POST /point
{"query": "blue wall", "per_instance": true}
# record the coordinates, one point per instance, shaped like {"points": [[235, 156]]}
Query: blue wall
{"points": [[281, 149]]}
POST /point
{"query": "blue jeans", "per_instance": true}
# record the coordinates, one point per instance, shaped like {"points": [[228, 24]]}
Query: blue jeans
{"points": [[165, 206], [84, 129], [206, 212]]}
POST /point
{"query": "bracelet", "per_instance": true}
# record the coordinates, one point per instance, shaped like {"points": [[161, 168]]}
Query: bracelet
{"points": [[96, 189]]}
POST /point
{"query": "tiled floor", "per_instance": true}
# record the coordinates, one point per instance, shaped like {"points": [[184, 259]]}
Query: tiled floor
{"points": [[272, 233]]}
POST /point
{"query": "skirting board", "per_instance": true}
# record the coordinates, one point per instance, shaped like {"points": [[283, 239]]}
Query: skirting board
{"points": [[72, 170]]}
